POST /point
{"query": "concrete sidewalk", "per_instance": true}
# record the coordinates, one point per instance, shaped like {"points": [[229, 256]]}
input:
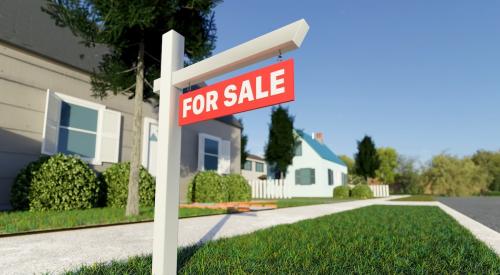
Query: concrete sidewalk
{"points": [[59, 251]]}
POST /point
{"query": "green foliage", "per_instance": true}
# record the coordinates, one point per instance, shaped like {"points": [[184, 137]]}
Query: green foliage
{"points": [[407, 176], [366, 159], [361, 191], [341, 192], [238, 188], [369, 240], [388, 162], [280, 147], [207, 186], [490, 161], [63, 182], [19, 192], [243, 147], [451, 176], [123, 27], [115, 180], [349, 162], [354, 179]]}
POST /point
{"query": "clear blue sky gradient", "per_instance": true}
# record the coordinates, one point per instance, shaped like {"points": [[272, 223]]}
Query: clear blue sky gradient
{"points": [[420, 76]]}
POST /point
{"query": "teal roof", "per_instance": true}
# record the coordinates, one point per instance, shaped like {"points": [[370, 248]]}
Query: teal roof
{"points": [[320, 148]]}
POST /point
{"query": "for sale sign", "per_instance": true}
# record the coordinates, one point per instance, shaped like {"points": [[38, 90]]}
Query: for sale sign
{"points": [[260, 88]]}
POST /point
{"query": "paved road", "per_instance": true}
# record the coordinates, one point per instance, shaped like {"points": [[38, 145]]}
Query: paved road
{"points": [[58, 251], [485, 210]]}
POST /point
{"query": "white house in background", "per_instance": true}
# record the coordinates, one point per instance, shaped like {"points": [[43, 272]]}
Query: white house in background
{"points": [[315, 169], [254, 168]]}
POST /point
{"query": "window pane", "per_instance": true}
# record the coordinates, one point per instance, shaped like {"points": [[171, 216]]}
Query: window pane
{"points": [[305, 176], [248, 165], [74, 142], [211, 163], [330, 177], [298, 149], [211, 146], [78, 117], [259, 167]]}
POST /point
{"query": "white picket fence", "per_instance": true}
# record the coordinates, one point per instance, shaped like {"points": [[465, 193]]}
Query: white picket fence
{"points": [[380, 191], [270, 189]]}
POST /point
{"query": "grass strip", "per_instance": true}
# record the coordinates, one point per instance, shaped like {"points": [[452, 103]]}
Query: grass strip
{"points": [[25, 221], [416, 198], [293, 202], [370, 240]]}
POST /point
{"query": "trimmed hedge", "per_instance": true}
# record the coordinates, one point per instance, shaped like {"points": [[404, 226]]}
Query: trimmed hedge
{"points": [[341, 192], [63, 182], [361, 191], [237, 187], [208, 186], [19, 192], [115, 181]]}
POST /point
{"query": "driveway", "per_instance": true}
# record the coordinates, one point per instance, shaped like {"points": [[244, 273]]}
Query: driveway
{"points": [[485, 210]]}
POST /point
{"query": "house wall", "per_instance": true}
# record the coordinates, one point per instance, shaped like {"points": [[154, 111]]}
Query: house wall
{"points": [[310, 159], [253, 174], [189, 149], [24, 80]]}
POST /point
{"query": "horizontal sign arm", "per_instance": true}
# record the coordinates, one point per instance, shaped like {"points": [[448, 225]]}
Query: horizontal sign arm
{"points": [[285, 39]]}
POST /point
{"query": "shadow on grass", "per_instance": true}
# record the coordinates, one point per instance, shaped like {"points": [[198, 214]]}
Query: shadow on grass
{"points": [[186, 253]]}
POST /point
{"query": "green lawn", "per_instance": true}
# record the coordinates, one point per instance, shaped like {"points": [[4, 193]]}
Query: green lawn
{"points": [[416, 198], [370, 240], [306, 201], [17, 222]]}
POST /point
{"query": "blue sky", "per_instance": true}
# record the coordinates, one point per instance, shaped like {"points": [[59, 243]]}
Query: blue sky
{"points": [[420, 76]]}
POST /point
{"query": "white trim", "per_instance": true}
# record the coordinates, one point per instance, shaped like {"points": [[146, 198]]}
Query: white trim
{"points": [[78, 130], [204, 136], [145, 140], [96, 160]]}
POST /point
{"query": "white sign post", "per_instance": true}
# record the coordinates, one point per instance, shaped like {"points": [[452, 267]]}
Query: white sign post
{"points": [[173, 78]]}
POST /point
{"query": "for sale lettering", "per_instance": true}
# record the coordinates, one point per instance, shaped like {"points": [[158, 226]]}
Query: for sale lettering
{"points": [[260, 88]]}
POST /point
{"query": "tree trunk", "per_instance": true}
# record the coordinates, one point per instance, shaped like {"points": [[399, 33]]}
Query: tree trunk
{"points": [[135, 158]]}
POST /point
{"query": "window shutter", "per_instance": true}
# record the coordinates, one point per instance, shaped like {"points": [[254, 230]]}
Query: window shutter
{"points": [[312, 175], [201, 152], [225, 157], [51, 123], [110, 136]]}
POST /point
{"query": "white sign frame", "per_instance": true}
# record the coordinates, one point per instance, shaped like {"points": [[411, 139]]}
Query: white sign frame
{"points": [[172, 79]]}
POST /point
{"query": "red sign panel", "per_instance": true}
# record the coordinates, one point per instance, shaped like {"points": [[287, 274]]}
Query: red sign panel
{"points": [[260, 88]]}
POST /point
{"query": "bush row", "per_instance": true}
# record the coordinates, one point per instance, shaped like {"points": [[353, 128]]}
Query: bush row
{"points": [[64, 182], [208, 186], [360, 191]]}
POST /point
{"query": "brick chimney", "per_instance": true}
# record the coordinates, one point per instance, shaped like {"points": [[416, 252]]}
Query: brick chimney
{"points": [[318, 137]]}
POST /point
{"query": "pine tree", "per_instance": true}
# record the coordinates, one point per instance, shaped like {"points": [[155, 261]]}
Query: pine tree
{"points": [[280, 148], [366, 160], [243, 146], [132, 31]]}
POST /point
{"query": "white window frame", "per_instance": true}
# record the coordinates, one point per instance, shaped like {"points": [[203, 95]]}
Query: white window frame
{"points": [[263, 167], [219, 141], [96, 160]]}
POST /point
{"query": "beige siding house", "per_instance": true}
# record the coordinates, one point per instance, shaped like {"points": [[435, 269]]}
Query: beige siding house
{"points": [[46, 107], [255, 167]]}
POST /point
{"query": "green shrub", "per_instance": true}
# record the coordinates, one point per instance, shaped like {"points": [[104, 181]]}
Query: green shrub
{"points": [[341, 192], [238, 188], [19, 192], [361, 191], [115, 180], [354, 179], [63, 182], [207, 186]]}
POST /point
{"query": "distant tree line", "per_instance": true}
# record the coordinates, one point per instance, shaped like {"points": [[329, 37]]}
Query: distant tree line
{"points": [[444, 174]]}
